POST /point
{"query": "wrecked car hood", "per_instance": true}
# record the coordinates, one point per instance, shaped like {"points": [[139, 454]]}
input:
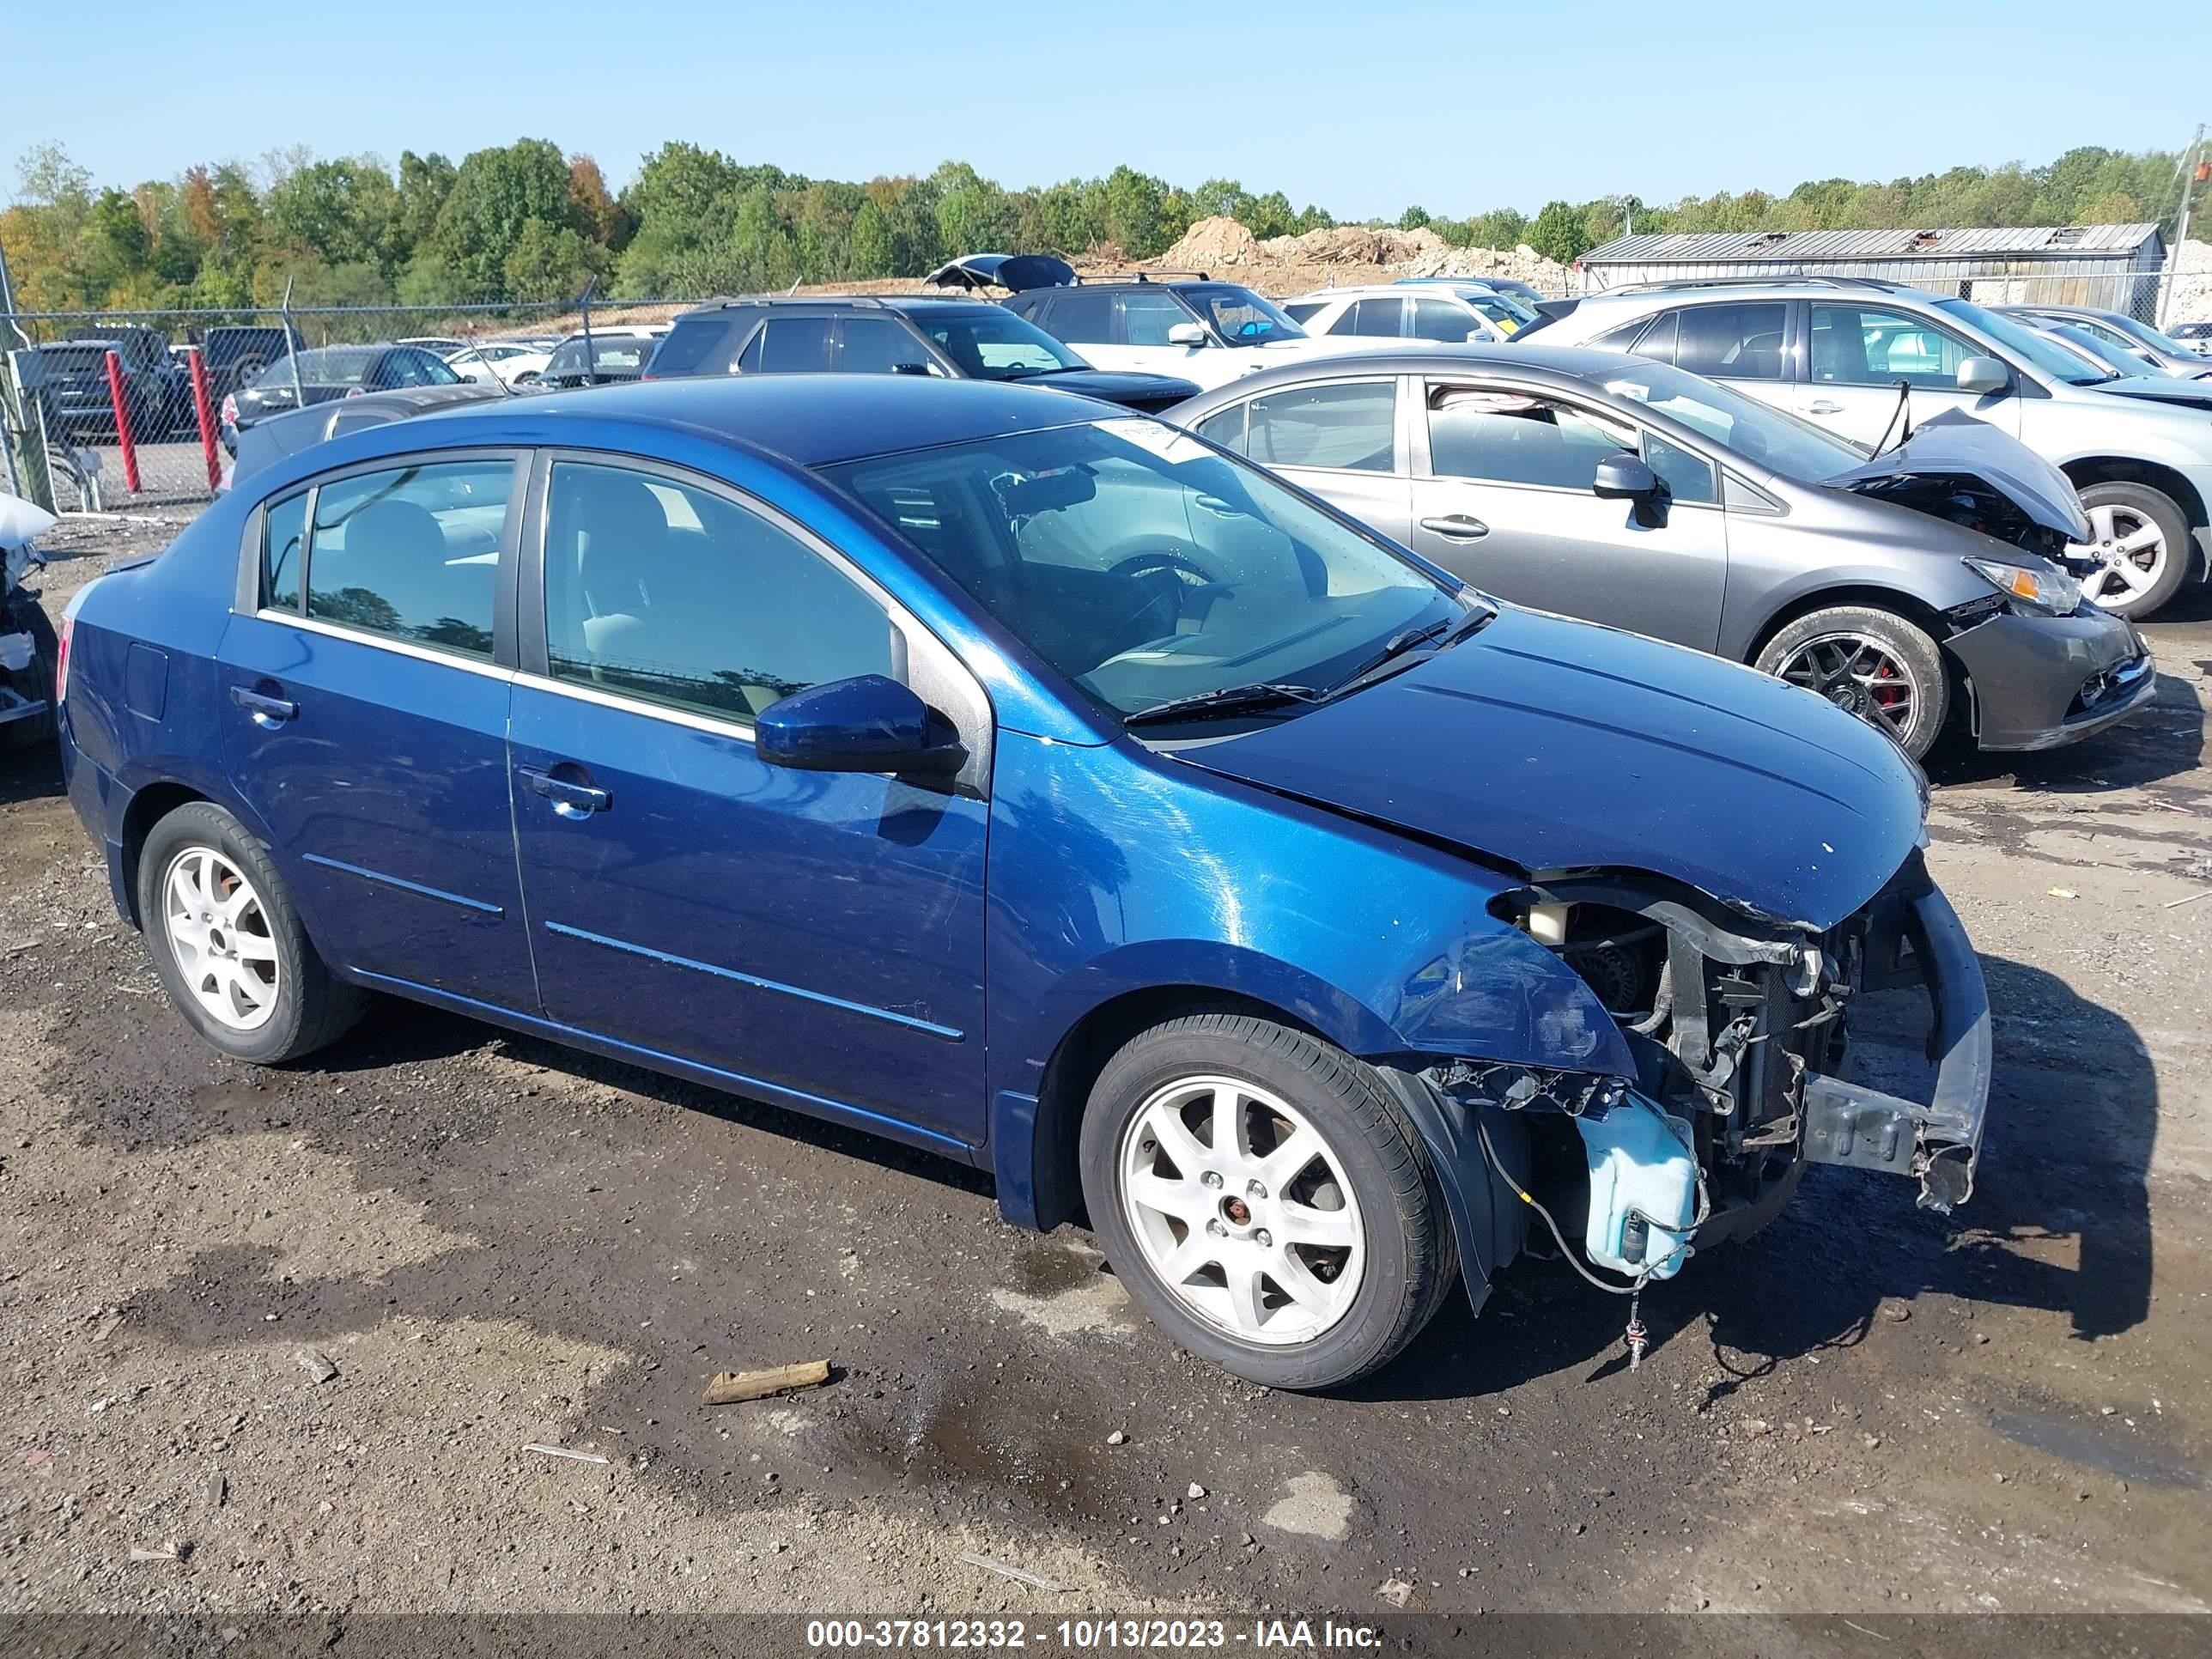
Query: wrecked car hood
{"points": [[2190, 393], [1549, 744], [1951, 458]]}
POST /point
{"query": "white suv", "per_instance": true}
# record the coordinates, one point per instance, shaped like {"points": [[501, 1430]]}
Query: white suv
{"points": [[1444, 315], [1836, 351]]}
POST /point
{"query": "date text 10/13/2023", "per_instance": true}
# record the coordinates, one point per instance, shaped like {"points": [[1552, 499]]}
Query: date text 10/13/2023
{"points": [[1293, 1635]]}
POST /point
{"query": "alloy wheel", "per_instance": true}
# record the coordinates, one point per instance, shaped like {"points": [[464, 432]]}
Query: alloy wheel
{"points": [[2128, 549], [1859, 675], [218, 932], [1242, 1209]]}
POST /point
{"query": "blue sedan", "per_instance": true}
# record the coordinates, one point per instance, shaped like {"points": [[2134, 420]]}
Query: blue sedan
{"points": [[1032, 782]]}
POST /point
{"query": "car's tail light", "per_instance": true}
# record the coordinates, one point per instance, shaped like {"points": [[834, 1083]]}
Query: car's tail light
{"points": [[354, 391], [61, 660], [230, 409]]}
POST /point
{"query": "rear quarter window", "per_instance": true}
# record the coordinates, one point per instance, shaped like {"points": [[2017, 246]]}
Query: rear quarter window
{"points": [[690, 348]]}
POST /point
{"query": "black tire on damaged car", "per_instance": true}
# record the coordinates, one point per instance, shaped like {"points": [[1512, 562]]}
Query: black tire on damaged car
{"points": [[1411, 1260], [312, 1007], [24, 614], [2144, 505], [1817, 651]]}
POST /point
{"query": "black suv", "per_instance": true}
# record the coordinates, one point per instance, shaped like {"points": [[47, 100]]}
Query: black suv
{"points": [[79, 407], [957, 340], [233, 354]]}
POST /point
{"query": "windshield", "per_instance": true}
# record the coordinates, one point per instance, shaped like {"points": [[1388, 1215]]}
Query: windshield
{"points": [[2142, 331], [1240, 316], [2119, 359], [1146, 567], [1783, 443], [326, 366], [2047, 355], [990, 342]]}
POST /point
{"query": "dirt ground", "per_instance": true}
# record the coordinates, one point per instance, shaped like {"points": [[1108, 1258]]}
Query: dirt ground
{"points": [[497, 1244]]}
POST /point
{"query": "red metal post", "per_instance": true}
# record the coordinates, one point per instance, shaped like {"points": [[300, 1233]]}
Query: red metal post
{"points": [[205, 413], [122, 422]]}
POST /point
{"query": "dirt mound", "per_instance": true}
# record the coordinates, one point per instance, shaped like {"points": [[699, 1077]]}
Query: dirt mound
{"points": [[1210, 244], [1345, 254]]}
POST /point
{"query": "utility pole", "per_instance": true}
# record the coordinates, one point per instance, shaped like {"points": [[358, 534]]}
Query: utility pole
{"points": [[2180, 227]]}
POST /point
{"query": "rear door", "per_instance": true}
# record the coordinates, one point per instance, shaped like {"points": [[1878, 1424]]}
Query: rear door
{"points": [[365, 687], [1339, 439], [1859, 355], [1501, 496], [1745, 343], [815, 934]]}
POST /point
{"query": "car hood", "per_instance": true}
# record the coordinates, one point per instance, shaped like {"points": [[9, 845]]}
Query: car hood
{"points": [[1957, 468], [2159, 389], [1128, 388], [1549, 745]]}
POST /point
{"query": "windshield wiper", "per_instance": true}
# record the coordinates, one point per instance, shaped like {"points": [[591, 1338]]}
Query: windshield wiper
{"points": [[1226, 700], [1438, 635]]}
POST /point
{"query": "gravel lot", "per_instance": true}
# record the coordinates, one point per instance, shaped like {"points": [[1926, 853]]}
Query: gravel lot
{"points": [[497, 1242]]}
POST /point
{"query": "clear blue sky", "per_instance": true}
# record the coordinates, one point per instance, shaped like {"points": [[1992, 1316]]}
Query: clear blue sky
{"points": [[1361, 107]]}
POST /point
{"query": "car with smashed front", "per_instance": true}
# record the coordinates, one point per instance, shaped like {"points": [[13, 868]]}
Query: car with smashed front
{"points": [[1928, 590], [1029, 781]]}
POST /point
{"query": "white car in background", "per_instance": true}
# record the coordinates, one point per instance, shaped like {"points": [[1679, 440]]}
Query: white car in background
{"points": [[511, 363], [1446, 316]]}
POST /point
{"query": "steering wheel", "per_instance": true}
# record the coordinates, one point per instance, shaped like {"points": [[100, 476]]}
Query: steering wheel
{"points": [[1192, 573]]}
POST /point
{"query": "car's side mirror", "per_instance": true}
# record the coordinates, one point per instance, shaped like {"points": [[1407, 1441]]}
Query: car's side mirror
{"points": [[911, 368], [868, 724], [1187, 334], [1982, 374], [1625, 477]]}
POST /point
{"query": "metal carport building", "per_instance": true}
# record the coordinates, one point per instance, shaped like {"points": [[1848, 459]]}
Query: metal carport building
{"points": [[2116, 266]]}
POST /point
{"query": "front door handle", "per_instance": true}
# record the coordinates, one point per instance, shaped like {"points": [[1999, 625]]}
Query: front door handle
{"points": [[267, 711], [570, 800], [1822, 406], [1456, 527]]}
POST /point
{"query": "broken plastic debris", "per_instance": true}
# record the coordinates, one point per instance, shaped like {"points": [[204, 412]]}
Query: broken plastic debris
{"points": [[1007, 1570], [563, 1451], [2063, 892]]}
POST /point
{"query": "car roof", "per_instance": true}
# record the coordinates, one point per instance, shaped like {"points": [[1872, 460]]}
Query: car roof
{"points": [[1370, 291], [809, 420], [1530, 362]]}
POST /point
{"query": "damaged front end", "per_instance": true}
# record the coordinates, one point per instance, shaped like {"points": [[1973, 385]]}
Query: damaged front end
{"points": [[1737, 1027]]}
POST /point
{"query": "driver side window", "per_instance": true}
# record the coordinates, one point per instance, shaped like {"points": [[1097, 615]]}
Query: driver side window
{"points": [[1510, 437], [1146, 318], [1871, 345]]}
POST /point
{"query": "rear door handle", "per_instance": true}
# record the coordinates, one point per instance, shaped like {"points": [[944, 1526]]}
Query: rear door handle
{"points": [[574, 800], [1822, 406], [265, 709], [1456, 527]]}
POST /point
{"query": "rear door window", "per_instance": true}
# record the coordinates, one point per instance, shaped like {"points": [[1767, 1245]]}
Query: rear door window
{"points": [[1730, 341], [1348, 427], [1080, 319], [1380, 317], [412, 553]]}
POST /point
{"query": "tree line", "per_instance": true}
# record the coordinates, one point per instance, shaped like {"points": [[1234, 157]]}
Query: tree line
{"points": [[524, 221]]}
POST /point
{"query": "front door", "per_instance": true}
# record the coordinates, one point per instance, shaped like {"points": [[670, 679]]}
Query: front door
{"points": [[1859, 357], [818, 935], [365, 710], [1501, 498]]}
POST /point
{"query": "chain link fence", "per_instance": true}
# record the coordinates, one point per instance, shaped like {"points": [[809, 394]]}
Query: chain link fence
{"points": [[128, 409]]}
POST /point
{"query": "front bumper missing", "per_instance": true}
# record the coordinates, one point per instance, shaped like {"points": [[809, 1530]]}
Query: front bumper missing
{"points": [[2039, 682], [1864, 1128]]}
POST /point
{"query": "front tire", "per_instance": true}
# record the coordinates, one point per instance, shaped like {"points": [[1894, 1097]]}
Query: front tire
{"points": [[2139, 539], [228, 945], [1871, 663], [1264, 1199], [24, 614]]}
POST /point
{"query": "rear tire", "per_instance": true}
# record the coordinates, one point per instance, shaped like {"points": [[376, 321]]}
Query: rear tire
{"points": [[228, 945], [2134, 581], [1871, 663], [1296, 1267]]}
